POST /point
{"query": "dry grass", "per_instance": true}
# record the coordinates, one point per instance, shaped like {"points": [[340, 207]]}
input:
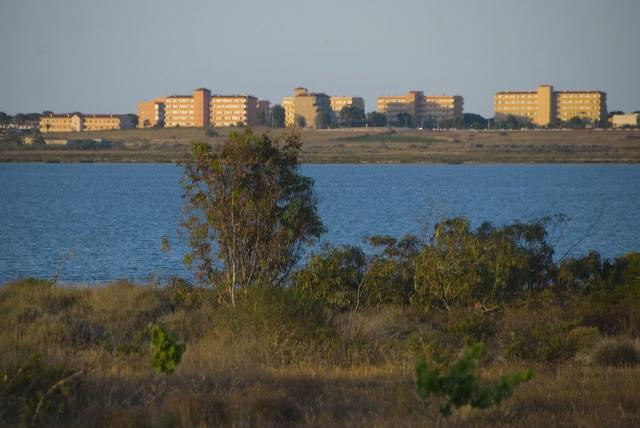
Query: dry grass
{"points": [[372, 145], [262, 367]]}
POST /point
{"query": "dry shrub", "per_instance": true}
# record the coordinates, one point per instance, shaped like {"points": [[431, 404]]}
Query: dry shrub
{"points": [[272, 326], [616, 352], [34, 390], [187, 408], [377, 325], [266, 407], [537, 334]]}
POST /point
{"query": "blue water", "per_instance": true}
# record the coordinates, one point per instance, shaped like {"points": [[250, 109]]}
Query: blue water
{"points": [[98, 222]]}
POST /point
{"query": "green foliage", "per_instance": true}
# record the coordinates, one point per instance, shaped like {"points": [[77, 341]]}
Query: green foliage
{"points": [[513, 122], [248, 203], [351, 117], [403, 120], [167, 351], [334, 275], [473, 327], [575, 123], [34, 391], [376, 119], [277, 116], [474, 121], [347, 278], [323, 120], [489, 266], [209, 132], [461, 386]]}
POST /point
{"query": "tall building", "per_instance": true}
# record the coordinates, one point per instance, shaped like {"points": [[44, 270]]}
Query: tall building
{"points": [[304, 108], [77, 122], [200, 109], [421, 108], [544, 106], [231, 110]]}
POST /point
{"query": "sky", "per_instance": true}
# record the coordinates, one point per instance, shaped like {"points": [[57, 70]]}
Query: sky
{"points": [[98, 56]]}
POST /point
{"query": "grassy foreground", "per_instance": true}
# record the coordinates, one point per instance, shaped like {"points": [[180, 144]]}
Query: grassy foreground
{"points": [[281, 359], [360, 145]]}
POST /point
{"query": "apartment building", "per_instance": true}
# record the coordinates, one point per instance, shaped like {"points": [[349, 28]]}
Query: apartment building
{"points": [[200, 109], [304, 108], [231, 110], [151, 113], [421, 108], [544, 106], [76, 122]]}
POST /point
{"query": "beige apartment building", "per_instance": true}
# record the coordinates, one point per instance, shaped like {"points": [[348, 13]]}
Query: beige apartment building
{"points": [[200, 110], [304, 107], [421, 108], [76, 122], [544, 106], [231, 110]]}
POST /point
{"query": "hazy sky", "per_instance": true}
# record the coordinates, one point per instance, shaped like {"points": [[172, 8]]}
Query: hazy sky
{"points": [[105, 56]]}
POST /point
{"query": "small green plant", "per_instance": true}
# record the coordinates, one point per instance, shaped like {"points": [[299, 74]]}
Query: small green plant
{"points": [[167, 351], [460, 386]]}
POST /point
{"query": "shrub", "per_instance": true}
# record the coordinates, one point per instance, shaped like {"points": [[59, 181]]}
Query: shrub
{"points": [[539, 332], [347, 278], [616, 352], [486, 267], [35, 391], [167, 351], [277, 325], [473, 327], [460, 385]]}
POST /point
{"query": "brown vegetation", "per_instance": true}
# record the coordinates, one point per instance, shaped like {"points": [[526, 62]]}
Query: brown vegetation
{"points": [[282, 359]]}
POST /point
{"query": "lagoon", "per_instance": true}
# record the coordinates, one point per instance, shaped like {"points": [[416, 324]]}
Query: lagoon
{"points": [[100, 222]]}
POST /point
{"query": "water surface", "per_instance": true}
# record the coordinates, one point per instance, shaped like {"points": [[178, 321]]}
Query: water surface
{"points": [[98, 222]]}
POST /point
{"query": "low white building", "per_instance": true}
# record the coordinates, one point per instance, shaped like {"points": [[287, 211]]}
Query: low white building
{"points": [[630, 119]]}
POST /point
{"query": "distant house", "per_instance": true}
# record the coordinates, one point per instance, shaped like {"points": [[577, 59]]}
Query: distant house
{"points": [[625, 120]]}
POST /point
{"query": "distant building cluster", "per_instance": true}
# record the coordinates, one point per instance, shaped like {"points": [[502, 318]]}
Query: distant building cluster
{"points": [[77, 122], [422, 110], [316, 109], [543, 107], [546, 107], [201, 109]]}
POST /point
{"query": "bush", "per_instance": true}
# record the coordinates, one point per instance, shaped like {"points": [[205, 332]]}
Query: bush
{"points": [[472, 327], [273, 325], [486, 267], [538, 334], [167, 351], [617, 352], [460, 385], [34, 391]]}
